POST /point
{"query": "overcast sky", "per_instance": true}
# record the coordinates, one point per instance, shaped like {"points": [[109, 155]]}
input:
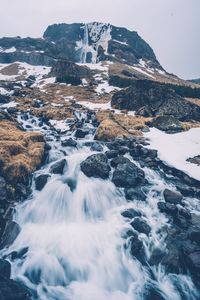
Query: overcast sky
{"points": [[171, 27]]}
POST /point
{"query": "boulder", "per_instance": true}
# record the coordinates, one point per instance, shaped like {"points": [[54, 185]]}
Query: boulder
{"points": [[141, 226], [128, 175], [132, 194], [58, 167], [2, 190], [11, 231], [69, 143], [96, 165], [119, 160], [111, 154], [40, 181], [81, 133], [12, 290], [130, 213], [172, 196], [166, 123]]}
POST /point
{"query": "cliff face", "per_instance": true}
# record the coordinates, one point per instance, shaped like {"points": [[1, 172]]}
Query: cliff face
{"points": [[86, 43]]}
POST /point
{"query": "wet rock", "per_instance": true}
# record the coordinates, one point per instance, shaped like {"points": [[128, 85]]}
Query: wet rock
{"points": [[119, 160], [81, 133], [69, 143], [130, 213], [96, 147], [5, 268], [58, 167], [172, 197], [128, 175], [40, 181], [167, 123], [152, 293], [19, 254], [12, 290], [123, 150], [141, 226], [11, 231], [168, 208], [135, 194], [194, 262], [111, 154], [156, 257], [136, 246], [96, 165]]}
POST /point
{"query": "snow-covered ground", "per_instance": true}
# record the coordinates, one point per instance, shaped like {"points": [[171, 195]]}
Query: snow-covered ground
{"points": [[175, 149]]}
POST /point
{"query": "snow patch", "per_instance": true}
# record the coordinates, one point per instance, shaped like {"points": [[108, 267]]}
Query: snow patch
{"points": [[175, 149]]}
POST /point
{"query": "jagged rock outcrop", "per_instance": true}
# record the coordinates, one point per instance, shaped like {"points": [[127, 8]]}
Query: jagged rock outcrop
{"points": [[152, 99]]}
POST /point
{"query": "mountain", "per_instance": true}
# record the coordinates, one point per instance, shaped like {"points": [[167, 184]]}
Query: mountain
{"points": [[81, 43]]}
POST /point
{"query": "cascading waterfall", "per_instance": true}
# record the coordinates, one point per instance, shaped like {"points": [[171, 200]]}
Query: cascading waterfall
{"points": [[72, 239]]}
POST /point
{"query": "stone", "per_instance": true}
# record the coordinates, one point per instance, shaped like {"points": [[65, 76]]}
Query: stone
{"points": [[58, 167], [69, 143], [12, 290], [119, 160], [40, 181], [132, 194], [130, 213], [141, 226], [2, 190], [96, 165], [111, 154], [11, 231], [128, 175], [81, 133], [172, 196], [167, 123]]}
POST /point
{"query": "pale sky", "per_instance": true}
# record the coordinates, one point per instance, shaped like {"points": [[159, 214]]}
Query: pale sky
{"points": [[171, 27]]}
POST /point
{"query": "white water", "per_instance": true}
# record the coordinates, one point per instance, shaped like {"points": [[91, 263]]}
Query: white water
{"points": [[75, 239]]}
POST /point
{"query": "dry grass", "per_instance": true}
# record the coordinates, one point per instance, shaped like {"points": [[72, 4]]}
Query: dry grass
{"points": [[109, 130], [20, 152]]}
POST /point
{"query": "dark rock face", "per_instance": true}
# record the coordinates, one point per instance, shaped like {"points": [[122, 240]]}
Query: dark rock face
{"points": [[172, 197], [70, 73], [149, 98], [58, 167], [195, 160], [128, 175], [167, 123], [40, 181], [123, 44], [4, 99], [141, 226], [96, 165]]}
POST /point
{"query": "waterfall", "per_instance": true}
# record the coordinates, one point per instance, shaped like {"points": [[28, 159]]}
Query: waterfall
{"points": [[74, 238]]}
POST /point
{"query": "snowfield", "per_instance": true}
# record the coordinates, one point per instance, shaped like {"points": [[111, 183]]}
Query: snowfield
{"points": [[175, 149]]}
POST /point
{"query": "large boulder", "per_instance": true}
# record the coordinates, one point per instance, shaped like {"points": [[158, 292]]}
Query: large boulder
{"points": [[128, 175], [96, 165], [151, 99], [167, 123], [12, 290]]}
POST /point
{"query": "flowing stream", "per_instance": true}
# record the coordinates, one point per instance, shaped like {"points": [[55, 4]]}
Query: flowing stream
{"points": [[73, 244]]}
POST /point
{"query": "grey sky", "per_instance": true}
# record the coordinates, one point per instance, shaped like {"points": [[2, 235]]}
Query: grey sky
{"points": [[171, 27]]}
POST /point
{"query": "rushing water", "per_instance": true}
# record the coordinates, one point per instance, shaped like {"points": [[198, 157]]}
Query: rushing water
{"points": [[72, 240]]}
